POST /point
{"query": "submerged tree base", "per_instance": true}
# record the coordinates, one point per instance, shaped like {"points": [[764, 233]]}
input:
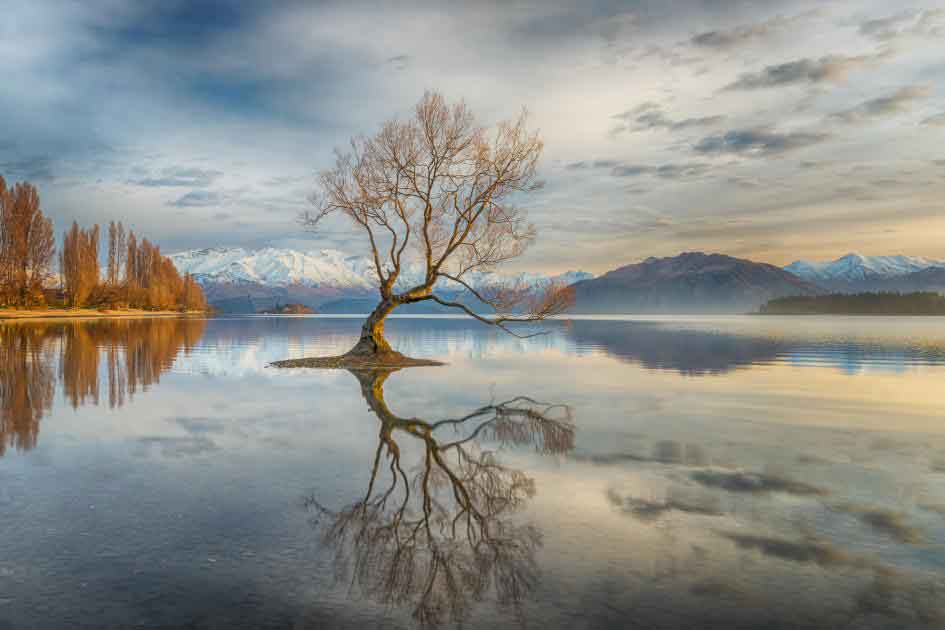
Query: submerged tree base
{"points": [[357, 361]]}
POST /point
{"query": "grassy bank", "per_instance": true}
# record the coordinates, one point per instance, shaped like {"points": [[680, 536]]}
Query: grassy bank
{"points": [[86, 313]]}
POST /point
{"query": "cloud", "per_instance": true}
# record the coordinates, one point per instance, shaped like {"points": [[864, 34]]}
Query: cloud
{"points": [[832, 68], [898, 102], [887, 522], [35, 169], [200, 425], [181, 177], [937, 508], [631, 170], [197, 199], [753, 483], [680, 170], [399, 62], [757, 142], [724, 39], [259, 94], [676, 501], [936, 119], [803, 552], [175, 447], [924, 23], [651, 116], [584, 164]]}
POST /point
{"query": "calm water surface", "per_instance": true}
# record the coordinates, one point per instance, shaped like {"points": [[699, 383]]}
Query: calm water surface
{"points": [[740, 472]]}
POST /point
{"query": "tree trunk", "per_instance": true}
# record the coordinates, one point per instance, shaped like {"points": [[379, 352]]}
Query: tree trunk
{"points": [[372, 341]]}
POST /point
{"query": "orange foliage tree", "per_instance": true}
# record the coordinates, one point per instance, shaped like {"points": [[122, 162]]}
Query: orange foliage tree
{"points": [[27, 245]]}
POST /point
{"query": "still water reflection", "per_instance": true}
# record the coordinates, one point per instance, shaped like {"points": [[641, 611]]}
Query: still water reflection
{"points": [[737, 472], [443, 537], [127, 355]]}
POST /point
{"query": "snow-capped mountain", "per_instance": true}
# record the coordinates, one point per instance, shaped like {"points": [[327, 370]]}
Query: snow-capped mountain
{"points": [[273, 267], [855, 268], [323, 269]]}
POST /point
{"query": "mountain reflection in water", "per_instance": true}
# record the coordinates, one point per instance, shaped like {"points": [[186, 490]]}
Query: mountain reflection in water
{"points": [[740, 472], [445, 536]]}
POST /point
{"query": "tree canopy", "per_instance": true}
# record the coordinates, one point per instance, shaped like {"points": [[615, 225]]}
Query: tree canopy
{"points": [[441, 189]]}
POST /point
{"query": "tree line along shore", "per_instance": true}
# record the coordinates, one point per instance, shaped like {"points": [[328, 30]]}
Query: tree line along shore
{"points": [[868, 303], [37, 280]]}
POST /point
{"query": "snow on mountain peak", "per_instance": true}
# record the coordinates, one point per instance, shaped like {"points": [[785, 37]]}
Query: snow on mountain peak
{"points": [[854, 267], [276, 267]]}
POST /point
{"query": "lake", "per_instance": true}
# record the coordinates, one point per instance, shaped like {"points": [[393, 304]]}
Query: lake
{"points": [[674, 472]]}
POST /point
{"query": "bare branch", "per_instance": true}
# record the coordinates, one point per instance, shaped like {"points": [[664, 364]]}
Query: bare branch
{"points": [[443, 185]]}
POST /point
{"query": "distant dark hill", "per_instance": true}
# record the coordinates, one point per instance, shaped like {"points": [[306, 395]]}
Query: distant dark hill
{"points": [[251, 297], [931, 279], [692, 282], [882, 303], [361, 306], [690, 352]]}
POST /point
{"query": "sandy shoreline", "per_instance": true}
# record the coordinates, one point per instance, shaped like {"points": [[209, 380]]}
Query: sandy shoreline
{"points": [[12, 314]]}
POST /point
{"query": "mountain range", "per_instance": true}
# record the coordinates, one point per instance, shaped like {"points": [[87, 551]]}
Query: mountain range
{"points": [[855, 272], [239, 280], [692, 282]]}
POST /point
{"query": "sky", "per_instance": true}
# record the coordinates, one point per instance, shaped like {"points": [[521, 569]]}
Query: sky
{"points": [[768, 130]]}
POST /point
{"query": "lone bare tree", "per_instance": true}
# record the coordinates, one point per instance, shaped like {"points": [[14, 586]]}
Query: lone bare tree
{"points": [[441, 188]]}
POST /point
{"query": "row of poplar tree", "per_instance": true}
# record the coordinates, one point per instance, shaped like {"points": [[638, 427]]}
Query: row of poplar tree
{"points": [[136, 274]]}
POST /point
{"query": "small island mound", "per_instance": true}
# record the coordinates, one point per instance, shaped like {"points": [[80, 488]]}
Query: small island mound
{"points": [[881, 303], [288, 309], [357, 362]]}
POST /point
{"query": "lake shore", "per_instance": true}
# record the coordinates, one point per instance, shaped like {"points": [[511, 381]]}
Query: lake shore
{"points": [[87, 313]]}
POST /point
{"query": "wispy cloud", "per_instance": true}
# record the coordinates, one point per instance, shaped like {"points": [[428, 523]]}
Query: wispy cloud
{"points": [[892, 104], [758, 142], [917, 23], [936, 119], [832, 68], [687, 170], [651, 116], [37, 168], [673, 171], [181, 177], [197, 199], [725, 39]]}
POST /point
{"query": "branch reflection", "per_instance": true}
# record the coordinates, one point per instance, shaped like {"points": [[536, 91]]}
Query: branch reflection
{"points": [[445, 535]]}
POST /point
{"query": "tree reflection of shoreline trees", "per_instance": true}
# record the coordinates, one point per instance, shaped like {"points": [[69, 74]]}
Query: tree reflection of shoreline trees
{"points": [[136, 353], [444, 536], [26, 384]]}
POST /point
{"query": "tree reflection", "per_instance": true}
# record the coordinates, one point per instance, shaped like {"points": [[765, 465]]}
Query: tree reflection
{"points": [[136, 353], [27, 384], [443, 536]]}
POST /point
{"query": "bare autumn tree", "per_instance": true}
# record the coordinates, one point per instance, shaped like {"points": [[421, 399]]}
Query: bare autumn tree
{"points": [[27, 244], [120, 250], [113, 254], [79, 263], [192, 297], [6, 244], [131, 257], [441, 187]]}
